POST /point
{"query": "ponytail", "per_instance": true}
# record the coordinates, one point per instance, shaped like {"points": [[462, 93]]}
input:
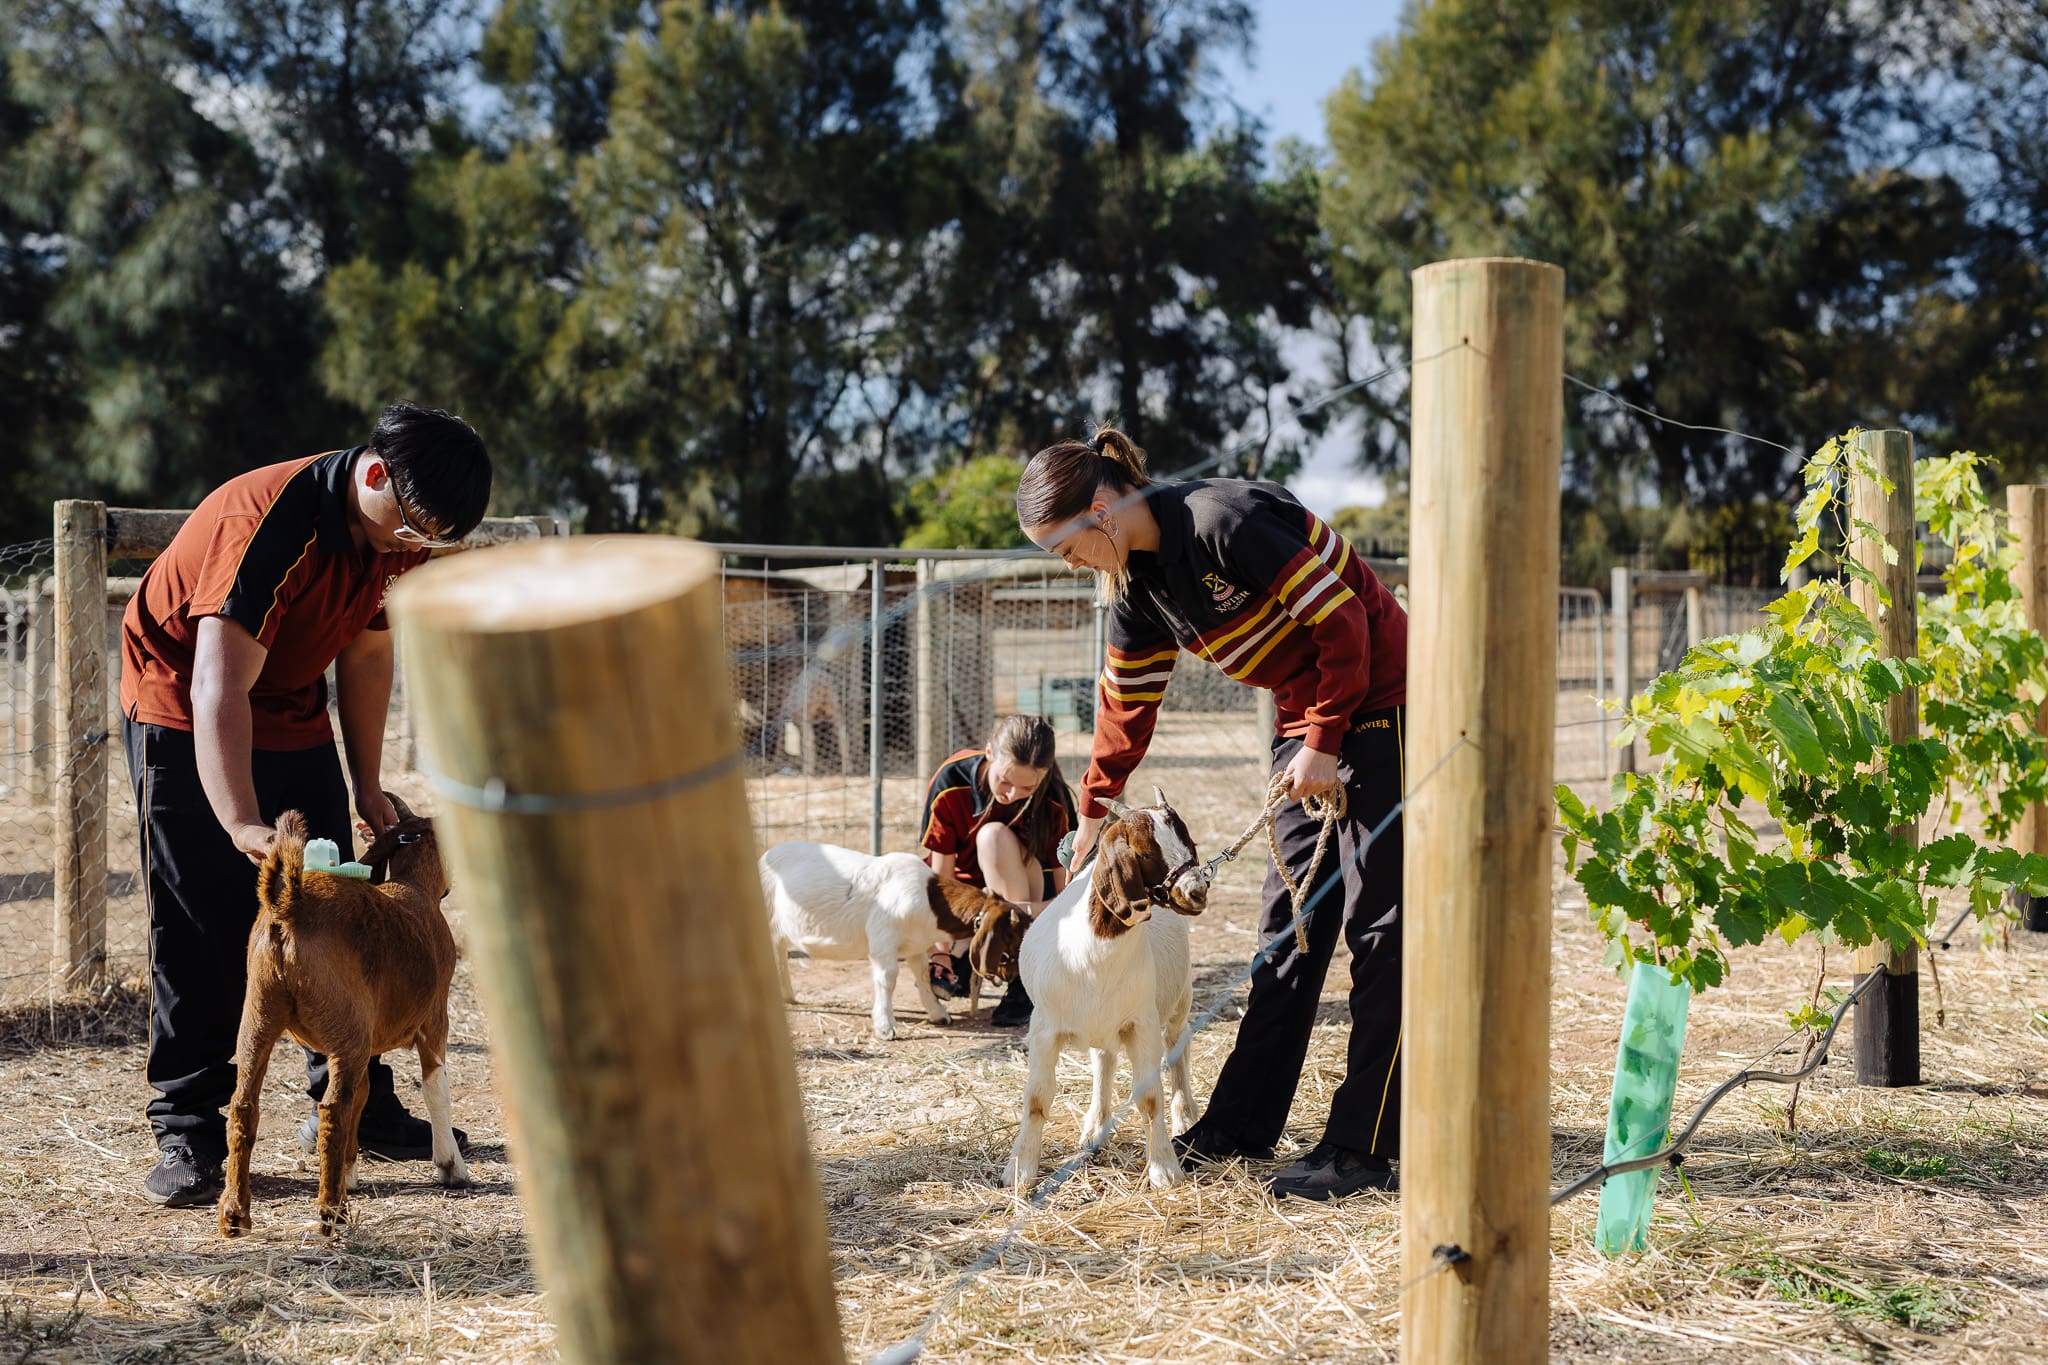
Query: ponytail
{"points": [[1115, 449]]}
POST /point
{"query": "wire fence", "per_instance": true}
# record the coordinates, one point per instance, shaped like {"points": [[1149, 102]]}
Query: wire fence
{"points": [[50, 749], [964, 639]]}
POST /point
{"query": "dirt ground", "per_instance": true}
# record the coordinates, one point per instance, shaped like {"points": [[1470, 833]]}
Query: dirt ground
{"points": [[1904, 1225]]}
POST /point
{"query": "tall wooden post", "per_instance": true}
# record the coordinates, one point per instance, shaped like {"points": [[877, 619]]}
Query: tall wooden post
{"points": [[1483, 569], [1695, 616], [599, 837], [80, 755], [2027, 507], [1623, 611], [1888, 1015]]}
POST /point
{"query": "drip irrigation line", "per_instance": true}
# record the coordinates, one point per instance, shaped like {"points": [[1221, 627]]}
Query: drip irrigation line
{"points": [[1659, 417]]}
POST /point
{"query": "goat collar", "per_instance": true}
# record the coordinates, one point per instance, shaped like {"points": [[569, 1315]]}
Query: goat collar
{"points": [[1163, 889]]}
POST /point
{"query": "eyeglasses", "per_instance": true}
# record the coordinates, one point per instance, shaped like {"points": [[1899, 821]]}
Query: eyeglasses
{"points": [[413, 535]]}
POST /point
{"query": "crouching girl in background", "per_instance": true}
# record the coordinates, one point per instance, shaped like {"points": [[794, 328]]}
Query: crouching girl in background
{"points": [[994, 818]]}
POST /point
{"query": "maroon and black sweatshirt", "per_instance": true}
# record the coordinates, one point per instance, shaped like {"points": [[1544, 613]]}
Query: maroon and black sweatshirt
{"points": [[1249, 579]]}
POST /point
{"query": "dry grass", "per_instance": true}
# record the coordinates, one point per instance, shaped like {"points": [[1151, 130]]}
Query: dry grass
{"points": [[1907, 1225]]}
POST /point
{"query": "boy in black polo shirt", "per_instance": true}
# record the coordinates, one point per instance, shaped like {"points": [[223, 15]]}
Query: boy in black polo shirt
{"points": [[224, 650]]}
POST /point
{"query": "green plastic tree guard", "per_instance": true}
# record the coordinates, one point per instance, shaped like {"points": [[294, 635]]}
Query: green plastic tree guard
{"points": [[1639, 1115]]}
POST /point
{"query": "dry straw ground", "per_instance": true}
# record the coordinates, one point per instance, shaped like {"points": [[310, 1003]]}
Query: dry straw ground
{"points": [[1907, 1225]]}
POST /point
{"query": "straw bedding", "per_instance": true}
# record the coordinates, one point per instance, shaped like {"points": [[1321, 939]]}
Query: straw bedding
{"points": [[1905, 1225]]}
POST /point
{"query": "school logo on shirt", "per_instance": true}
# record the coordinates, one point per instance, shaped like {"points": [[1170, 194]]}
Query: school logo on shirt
{"points": [[1226, 596]]}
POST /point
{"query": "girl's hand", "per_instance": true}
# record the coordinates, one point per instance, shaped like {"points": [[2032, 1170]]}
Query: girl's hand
{"points": [[1310, 773], [1084, 843]]}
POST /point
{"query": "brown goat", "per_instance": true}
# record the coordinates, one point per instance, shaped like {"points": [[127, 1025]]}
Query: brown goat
{"points": [[350, 968], [994, 928]]}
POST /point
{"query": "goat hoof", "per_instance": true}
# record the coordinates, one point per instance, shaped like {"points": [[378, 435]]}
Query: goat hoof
{"points": [[455, 1175], [886, 1032], [1165, 1175], [235, 1222], [940, 1020], [333, 1221]]}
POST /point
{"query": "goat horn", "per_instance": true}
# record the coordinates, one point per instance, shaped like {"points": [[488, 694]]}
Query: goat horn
{"points": [[1117, 808], [1160, 793]]}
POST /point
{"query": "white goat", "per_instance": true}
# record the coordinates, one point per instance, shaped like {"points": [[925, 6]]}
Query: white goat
{"points": [[1103, 971], [837, 904]]}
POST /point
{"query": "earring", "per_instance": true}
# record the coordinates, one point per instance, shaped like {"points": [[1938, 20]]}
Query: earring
{"points": [[1108, 525]]}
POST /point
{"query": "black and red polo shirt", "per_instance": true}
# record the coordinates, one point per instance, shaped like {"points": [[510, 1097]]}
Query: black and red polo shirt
{"points": [[1249, 579], [957, 804], [271, 551]]}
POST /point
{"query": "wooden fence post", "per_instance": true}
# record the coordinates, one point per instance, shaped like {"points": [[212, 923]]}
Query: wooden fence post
{"points": [[1475, 1077], [2027, 508], [1888, 1017], [80, 753], [1695, 616], [598, 833], [1623, 609]]}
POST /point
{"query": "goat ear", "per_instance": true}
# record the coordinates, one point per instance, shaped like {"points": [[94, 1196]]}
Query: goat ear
{"points": [[1119, 884], [981, 949], [378, 854]]}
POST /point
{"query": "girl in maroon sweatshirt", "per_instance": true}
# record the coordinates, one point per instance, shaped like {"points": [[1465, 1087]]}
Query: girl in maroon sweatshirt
{"points": [[1241, 574]]}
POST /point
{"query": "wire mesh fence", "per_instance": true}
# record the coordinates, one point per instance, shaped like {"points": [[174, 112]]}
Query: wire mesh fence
{"points": [[962, 642], [843, 723], [63, 795]]}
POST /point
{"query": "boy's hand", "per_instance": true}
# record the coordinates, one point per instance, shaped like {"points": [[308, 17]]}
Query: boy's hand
{"points": [[377, 812], [254, 841]]}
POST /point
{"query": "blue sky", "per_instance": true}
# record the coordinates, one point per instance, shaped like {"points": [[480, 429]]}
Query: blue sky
{"points": [[1303, 49]]}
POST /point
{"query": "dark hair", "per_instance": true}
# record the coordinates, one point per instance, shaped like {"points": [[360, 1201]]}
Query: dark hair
{"points": [[1060, 481], [439, 467], [1029, 740]]}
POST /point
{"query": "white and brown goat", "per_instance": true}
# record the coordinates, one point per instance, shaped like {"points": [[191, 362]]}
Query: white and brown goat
{"points": [[837, 904], [350, 968], [1105, 972]]}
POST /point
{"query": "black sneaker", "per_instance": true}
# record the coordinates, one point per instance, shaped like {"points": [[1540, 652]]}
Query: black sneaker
{"points": [[1013, 1010], [1332, 1172], [1199, 1146], [397, 1136], [953, 987], [180, 1180]]}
